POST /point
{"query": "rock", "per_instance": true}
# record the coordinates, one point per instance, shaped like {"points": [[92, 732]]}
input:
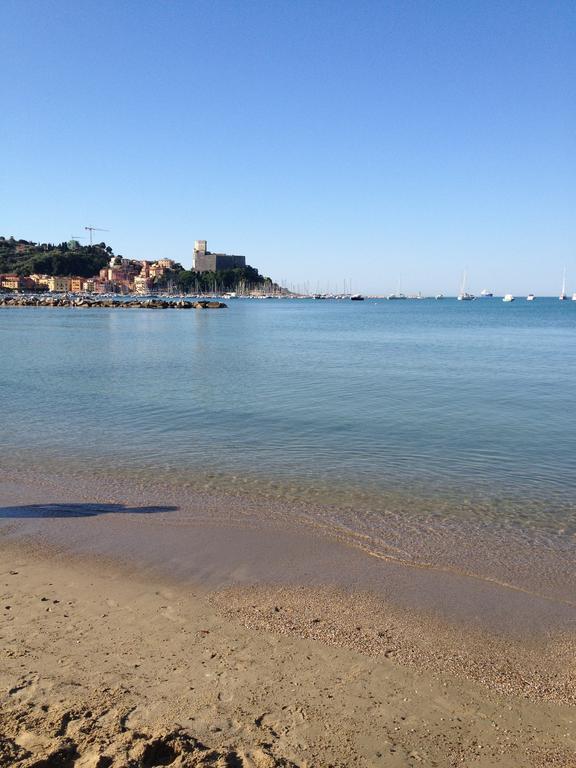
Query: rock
{"points": [[93, 302]]}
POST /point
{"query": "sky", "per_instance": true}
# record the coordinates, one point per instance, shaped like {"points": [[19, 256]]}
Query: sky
{"points": [[386, 144]]}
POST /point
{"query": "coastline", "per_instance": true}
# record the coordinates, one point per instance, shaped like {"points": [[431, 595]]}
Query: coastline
{"points": [[122, 302], [109, 666], [266, 645], [181, 528]]}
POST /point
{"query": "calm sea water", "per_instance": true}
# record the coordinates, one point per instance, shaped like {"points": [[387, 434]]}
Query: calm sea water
{"points": [[466, 409]]}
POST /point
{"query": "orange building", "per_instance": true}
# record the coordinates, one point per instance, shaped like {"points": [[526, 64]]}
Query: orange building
{"points": [[17, 283], [77, 284]]}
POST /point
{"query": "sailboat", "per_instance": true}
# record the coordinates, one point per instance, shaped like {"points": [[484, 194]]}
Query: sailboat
{"points": [[563, 296], [463, 296], [397, 295]]}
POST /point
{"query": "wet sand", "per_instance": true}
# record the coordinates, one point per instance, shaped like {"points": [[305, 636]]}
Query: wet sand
{"points": [[104, 667], [213, 632], [481, 579]]}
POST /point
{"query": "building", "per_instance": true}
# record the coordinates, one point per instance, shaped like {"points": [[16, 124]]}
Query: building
{"points": [[17, 283], [119, 275], [145, 269], [58, 284], [205, 261], [77, 284], [10, 282], [41, 282], [143, 285], [96, 285]]}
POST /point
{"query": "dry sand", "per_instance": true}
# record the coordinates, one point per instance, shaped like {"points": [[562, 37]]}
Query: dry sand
{"points": [[104, 667]]}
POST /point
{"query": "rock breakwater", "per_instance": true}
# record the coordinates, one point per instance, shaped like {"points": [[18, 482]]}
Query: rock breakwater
{"points": [[95, 303]]}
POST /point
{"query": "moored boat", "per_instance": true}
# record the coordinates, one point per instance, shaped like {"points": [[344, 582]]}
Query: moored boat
{"points": [[563, 296], [464, 295]]}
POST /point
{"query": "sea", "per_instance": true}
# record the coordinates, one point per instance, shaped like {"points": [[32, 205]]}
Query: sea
{"points": [[438, 433]]}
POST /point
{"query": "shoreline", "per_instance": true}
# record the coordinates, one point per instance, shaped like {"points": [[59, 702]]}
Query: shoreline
{"points": [[222, 540], [216, 630], [110, 664]]}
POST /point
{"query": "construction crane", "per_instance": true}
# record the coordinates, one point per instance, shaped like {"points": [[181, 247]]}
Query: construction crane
{"points": [[95, 229]]}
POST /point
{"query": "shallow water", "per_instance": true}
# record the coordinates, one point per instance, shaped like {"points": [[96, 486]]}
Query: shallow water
{"points": [[427, 431]]}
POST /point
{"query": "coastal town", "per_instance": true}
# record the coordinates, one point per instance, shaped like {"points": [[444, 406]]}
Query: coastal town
{"points": [[210, 273], [123, 276]]}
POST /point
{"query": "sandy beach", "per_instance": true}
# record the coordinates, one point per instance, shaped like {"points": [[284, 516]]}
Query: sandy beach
{"points": [[333, 523], [105, 666]]}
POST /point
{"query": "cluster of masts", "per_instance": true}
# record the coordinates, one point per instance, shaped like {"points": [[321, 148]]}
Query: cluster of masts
{"points": [[465, 296]]}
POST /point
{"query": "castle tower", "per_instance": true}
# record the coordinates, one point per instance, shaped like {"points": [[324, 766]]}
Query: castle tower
{"points": [[199, 256]]}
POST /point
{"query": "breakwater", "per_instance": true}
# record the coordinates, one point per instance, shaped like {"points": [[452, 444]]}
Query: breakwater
{"points": [[88, 303]]}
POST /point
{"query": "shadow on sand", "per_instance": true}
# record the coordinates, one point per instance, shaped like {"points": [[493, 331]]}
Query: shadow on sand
{"points": [[77, 510]]}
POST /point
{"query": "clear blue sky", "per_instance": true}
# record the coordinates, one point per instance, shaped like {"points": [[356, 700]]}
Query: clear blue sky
{"points": [[324, 140]]}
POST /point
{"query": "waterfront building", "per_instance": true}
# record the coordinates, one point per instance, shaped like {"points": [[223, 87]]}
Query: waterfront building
{"points": [[10, 282], [23, 283], [40, 280], [142, 284], [17, 283], [205, 261], [102, 286], [58, 284], [77, 284]]}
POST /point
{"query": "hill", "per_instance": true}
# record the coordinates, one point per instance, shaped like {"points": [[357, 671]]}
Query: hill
{"points": [[70, 259], [24, 257]]}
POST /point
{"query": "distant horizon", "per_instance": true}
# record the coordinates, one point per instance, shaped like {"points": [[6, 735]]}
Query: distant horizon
{"points": [[326, 141], [344, 286]]}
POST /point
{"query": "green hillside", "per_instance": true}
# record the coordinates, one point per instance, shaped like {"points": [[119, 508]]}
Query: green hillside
{"points": [[23, 257]]}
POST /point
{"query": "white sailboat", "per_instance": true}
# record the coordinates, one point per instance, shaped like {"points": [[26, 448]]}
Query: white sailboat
{"points": [[530, 297], [463, 295], [508, 297], [563, 296], [397, 295]]}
